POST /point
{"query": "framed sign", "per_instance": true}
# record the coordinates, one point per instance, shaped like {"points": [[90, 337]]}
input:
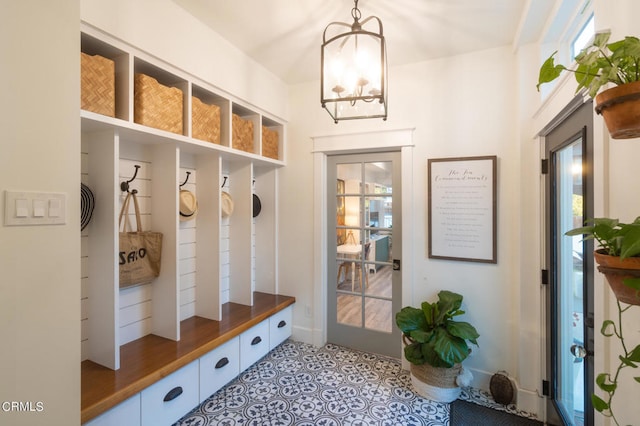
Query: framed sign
{"points": [[462, 208]]}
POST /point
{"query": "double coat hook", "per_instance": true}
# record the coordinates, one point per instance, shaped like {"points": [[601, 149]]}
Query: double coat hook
{"points": [[124, 186]]}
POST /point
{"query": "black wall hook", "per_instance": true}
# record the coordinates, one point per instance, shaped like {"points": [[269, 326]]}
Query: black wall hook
{"points": [[224, 182], [186, 180], [124, 186]]}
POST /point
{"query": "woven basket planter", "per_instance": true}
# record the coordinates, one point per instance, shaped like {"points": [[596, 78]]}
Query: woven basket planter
{"points": [[97, 84], [242, 133], [205, 121], [156, 105], [269, 143], [436, 384]]}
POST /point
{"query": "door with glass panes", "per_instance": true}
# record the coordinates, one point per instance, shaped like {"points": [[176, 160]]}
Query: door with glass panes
{"points": [[569, 263], [364, 251]]}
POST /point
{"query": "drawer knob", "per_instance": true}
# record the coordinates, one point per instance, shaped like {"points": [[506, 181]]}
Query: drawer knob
{"points": [[224, 361], [173, 394], [282, 324], [256, 340]]}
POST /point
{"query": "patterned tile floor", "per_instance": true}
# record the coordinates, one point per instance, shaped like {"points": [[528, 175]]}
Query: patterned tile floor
{"points": [[300, 384]]}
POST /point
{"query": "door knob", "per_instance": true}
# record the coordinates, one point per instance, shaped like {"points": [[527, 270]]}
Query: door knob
{"points": [[579, 351]]}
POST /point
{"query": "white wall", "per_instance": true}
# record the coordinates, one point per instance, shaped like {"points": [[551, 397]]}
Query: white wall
{"points": [[40, 151], [461, 106]]}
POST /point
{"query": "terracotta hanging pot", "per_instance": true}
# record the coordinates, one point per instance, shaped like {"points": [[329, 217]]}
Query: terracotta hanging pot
{"points": [[620, 108], [615, 271]]}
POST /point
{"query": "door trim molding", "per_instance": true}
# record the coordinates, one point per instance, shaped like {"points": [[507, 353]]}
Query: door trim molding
{"points": [[391, 140]]}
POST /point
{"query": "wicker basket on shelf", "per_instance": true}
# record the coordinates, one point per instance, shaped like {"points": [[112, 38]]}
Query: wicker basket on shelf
{"points": [[269, 143], [242, 133], [97, 84], [156, 105], [205, 121]]}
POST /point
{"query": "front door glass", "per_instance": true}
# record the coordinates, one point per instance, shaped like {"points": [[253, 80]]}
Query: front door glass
{"points": [[570, 339]]}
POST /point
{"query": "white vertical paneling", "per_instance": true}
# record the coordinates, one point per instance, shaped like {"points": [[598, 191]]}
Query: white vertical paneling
{"points": [[102, 237], [240, 231], [225, 247], [187, 250], [208, 243], [164, 204], [266, 232]]}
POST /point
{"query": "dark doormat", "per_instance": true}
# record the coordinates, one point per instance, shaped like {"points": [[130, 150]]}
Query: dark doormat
{"points": [[465, 413]]}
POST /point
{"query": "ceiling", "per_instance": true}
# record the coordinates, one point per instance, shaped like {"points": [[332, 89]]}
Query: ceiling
{"points": [[285, 35]]}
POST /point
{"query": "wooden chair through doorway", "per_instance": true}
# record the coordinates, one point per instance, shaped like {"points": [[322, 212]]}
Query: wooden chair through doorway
{"points": [[346, 267]]}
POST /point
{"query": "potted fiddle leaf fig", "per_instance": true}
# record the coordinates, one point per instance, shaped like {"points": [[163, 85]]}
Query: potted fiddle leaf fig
{"points": [[600, 65], [618, 257], [436, 344]]}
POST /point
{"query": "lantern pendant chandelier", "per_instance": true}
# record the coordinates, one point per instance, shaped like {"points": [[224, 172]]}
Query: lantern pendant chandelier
{"points": [[353, 73]]}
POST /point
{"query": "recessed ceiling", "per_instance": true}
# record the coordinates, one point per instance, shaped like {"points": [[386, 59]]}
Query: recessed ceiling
{"points": [[285, 35]]}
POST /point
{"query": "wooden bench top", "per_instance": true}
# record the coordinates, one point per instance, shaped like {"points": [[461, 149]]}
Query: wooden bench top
{"points": [[146, 360]]}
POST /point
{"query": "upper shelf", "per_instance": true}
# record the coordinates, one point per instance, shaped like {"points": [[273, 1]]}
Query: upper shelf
{"points": [[152, 102]]}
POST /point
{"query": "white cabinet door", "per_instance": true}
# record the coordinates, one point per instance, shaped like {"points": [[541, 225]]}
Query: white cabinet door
{"points": [[169, 399], [219, 367], [254, 344], [280, 327], [126, 413]]}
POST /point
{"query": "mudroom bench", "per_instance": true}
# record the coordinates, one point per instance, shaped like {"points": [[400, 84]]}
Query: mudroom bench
{"points": [[161, 380]]}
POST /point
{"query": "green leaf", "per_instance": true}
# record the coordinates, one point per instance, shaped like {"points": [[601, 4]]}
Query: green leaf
{"points": [[463, 330], [601, 381], [583, 230], [633, 283], [601, 38], [627, 362], [634, 355], [421, 336], [549, 71], [409, 319], [432, 357], [448, 302], [599, 404], [637, 379], [451, 349], [413, 353], [631, 241], [606, 325], [428, 312]]}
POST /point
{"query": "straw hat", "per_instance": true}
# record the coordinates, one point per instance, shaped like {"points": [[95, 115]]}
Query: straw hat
{"points": [[226, 204], [257, 205], [188, 205], [87, 204]]}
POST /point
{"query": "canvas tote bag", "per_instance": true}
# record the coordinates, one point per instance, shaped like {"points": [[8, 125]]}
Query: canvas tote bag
{"points": [[140, 251]]}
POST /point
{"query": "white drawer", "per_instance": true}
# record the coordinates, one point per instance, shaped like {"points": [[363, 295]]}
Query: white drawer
{"points": [[127, 413], [219, 367], [280, 326], [254, 344], [169, 399]]}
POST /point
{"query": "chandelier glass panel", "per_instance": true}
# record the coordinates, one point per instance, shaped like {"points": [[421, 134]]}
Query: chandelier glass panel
{"points": [[354, 69]]}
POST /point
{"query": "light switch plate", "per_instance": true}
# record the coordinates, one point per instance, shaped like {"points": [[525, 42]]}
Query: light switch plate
{"points": [[22, 208]]}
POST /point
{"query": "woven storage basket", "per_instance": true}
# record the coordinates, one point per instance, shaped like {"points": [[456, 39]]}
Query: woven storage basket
{"points": [[436, 384], [269, 143], [434, 376], [205, 121], [97, 85], [242, 133], [156, 105]]}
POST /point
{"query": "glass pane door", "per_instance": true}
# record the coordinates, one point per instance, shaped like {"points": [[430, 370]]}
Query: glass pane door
{"points": [[569, 283], [364, 287]]}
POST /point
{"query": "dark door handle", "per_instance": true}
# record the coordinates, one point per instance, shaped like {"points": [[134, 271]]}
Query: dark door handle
{"points": [[256, 340], [173, 394], [224, 361], [282, 324]]}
